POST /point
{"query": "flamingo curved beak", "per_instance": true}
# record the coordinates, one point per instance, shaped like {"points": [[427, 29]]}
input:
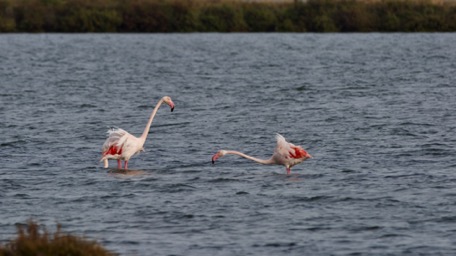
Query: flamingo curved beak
{"points": [[172, 106]]}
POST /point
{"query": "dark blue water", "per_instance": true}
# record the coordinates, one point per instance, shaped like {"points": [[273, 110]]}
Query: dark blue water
{"points": [[377, 112]]}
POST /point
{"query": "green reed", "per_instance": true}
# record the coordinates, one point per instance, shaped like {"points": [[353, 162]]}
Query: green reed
{"points": [[226, 16]]}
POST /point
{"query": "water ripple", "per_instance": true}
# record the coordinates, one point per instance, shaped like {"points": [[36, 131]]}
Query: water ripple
{"points": [[375, 110]]}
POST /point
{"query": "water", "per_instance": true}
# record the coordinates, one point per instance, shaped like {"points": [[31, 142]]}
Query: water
{"points": [[375, 110]]}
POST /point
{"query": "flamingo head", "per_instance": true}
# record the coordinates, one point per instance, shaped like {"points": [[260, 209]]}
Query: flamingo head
{"points": [[220, 153], [168, 101]]}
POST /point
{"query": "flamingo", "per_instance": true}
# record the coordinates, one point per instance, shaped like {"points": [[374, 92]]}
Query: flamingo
{"points": [[285, 154], [121, 145]]}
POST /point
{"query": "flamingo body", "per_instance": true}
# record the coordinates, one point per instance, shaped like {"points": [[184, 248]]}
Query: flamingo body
{"points": [[121, 145], [285, 153]]}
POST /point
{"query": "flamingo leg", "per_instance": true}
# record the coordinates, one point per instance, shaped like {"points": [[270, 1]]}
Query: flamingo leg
{"points": [[126, 165], [119, 164], [288, 171]]}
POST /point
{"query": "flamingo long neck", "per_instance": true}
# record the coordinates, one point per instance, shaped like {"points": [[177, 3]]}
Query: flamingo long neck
{"points": [[261, 161], [151, 118]]}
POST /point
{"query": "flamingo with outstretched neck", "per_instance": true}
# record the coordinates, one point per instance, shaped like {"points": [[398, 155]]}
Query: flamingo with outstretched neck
{"points": [[121, 145], [285, 154]]}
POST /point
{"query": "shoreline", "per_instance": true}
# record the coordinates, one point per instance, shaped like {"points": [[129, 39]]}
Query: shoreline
{"points": [[179, 16]]}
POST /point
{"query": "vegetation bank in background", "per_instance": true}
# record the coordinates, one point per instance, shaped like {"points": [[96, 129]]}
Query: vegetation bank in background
{"points": [[226, 16], [31, 241]]}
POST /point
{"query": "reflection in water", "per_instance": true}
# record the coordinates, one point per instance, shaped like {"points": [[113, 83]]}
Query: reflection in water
{"points": [[123, 172], [295, 178], [377, 110]]}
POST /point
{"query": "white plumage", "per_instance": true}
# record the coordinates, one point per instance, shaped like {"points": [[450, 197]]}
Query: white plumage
{"points": [[121, 145], [285, 153]]}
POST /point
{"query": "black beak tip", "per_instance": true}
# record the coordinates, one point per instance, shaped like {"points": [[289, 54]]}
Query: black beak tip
{"points": [[172, 109], [213, 162]]}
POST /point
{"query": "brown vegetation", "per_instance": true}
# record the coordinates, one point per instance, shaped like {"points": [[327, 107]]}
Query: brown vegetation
{"points": [[31, 241], [226, 16]]}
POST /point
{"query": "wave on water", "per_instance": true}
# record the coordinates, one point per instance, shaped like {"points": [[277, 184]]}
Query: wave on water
{"points": [[375, 110]]}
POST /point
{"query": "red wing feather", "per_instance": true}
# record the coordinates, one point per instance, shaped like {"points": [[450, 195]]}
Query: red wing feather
{"points": [[113, 150], [298, 152]]}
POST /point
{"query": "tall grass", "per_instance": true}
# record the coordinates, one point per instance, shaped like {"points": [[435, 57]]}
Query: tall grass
{"points": [[33, 241], [226, 16]]}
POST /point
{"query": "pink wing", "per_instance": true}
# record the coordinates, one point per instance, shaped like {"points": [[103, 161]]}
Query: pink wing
{"points": [[288, 150], [298, 152], [113, 150], [283, 148], [114, 142]]}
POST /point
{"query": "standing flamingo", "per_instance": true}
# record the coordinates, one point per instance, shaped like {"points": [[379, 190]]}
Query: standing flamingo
{"points": [[285, 154], [121, 145]]}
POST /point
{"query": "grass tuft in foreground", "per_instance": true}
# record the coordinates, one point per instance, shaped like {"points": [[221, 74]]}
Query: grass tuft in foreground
{"points": [[33, 240]]}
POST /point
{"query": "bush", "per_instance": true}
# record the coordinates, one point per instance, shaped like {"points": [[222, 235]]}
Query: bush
{"points": [[31, 241], [260, 17], [226, 16], [221, 17], [7, 20], [87, 16]]}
